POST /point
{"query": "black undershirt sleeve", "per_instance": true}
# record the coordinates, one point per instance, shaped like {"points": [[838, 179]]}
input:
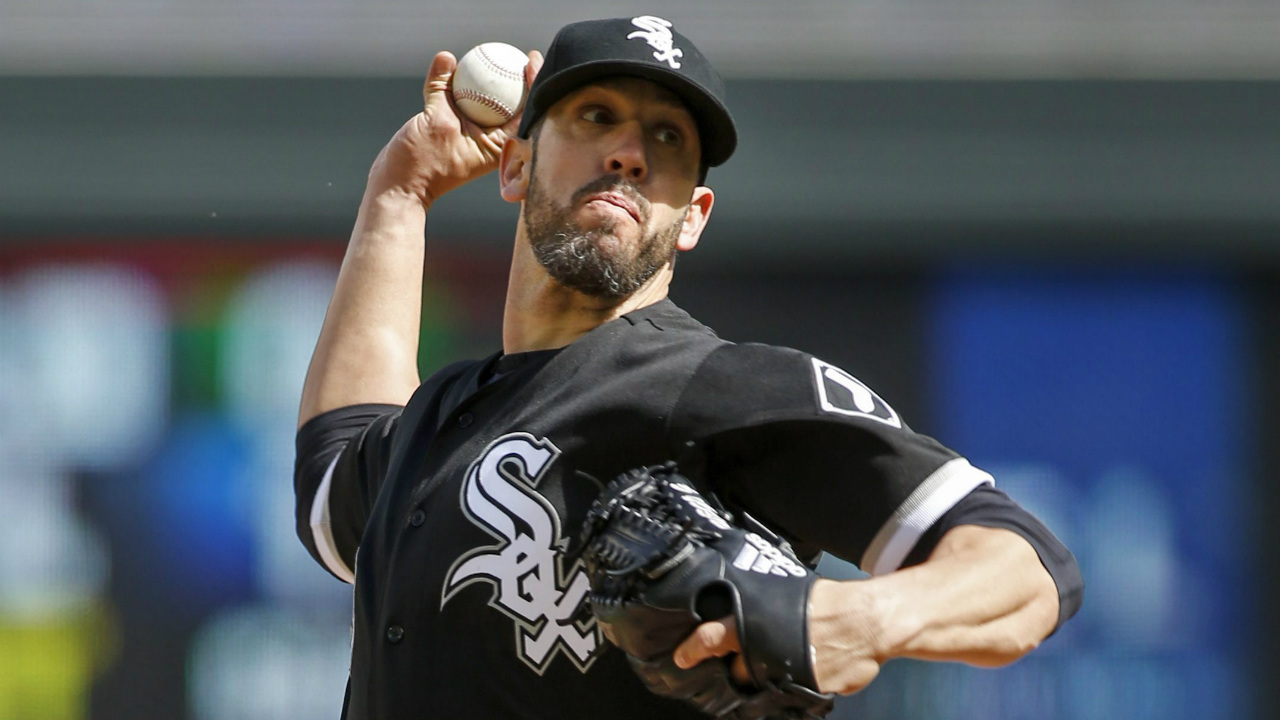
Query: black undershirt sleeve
{"points": [[360, 438], [989, 507]]}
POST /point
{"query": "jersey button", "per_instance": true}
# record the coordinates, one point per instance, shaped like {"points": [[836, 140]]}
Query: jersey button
{"points": [[465, 419], [395, 633], [417, 518]]}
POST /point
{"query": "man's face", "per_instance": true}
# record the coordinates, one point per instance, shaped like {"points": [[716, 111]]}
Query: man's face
{"points": [[613, 168]]}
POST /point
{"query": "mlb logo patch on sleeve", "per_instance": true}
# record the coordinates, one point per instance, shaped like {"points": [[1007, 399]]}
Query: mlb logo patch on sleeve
{"points": [[843, 394]]}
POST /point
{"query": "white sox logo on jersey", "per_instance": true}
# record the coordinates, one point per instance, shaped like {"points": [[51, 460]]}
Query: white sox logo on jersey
{"points": [[530, 584], [843, 394], [657, 32]]}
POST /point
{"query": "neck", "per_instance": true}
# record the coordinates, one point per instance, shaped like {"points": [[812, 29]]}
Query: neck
{"points": [[541, 314]]}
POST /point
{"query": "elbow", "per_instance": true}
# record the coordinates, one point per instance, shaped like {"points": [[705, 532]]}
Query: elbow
{"points": [[1037, 619], [1006, 650], [1024, 630], [1042, 614], [1024, 640]]}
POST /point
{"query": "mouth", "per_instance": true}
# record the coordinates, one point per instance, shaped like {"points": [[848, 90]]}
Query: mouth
{"points": [[617, 200]]}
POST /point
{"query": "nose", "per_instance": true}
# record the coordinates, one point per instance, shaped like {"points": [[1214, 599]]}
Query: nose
{"points": [[627, 155]]}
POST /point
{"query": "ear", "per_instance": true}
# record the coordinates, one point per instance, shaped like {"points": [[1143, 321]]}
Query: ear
{"points": [[696, 219], [513, 169]]}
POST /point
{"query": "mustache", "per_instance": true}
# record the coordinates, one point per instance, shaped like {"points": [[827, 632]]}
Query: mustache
{"points": [[615, 183]]}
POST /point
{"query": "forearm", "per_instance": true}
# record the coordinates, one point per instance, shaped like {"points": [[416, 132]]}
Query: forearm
{"points": [[368, 346], [983, 597], [367, 351]]}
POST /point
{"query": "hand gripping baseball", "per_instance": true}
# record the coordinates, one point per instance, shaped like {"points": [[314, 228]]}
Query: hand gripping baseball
{"points": [[439, 149], [662, 560]]}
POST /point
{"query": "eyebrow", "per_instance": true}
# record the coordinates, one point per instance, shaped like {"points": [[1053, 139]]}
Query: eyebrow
{"points": [[663, 97]]}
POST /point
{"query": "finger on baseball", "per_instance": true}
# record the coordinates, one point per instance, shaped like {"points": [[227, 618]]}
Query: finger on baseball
{"points": [[531, 70], [442, 67], [710, 639]]}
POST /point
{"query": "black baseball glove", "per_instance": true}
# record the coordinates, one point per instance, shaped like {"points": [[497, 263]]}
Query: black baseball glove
{"points": [[662, 560]]}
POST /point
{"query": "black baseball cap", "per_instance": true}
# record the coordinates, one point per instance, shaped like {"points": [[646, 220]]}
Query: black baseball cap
{"points": [[647, 47]]}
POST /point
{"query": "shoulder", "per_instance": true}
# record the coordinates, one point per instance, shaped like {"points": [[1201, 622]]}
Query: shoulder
{"points": [[451, 376], [752, 383], [455, 370], [659, 340], [664, 321]]}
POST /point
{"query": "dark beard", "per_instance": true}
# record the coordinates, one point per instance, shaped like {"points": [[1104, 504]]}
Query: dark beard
{"points": [[573, 257]]}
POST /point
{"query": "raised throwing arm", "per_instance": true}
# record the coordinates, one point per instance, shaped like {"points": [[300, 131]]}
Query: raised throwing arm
{"points": [[367, 352]]}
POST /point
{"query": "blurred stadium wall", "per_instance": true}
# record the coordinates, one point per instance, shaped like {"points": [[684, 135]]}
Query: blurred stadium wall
{"points": [[1047, 232]]}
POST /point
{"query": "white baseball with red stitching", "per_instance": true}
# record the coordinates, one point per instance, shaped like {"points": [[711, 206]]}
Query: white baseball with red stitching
{"points": [[488, 86]]}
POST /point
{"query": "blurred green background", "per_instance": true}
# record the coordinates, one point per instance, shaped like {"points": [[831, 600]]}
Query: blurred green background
{"points": [[1048, 233]]}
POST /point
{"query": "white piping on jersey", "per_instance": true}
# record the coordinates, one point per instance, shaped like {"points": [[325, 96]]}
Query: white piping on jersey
{"points": [[929, 502], [322, 528]]}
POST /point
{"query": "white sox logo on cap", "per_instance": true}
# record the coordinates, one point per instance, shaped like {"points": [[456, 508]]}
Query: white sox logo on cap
{"points": [[656, 32], [647, 47]]}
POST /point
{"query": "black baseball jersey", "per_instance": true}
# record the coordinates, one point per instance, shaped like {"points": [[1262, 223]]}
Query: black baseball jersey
{"points": [[455, 515]]}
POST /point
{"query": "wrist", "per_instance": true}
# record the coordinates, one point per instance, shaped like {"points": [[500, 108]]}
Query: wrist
{"points": [[390, 220], [391, 204], [398, 176], [865, 613], [848, 636]]}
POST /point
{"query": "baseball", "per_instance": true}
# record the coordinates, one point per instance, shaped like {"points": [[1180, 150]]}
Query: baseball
{"points": [[488, 85]]}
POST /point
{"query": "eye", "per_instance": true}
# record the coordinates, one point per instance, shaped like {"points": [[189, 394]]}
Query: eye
{"points": [[668, 135], [597, 114]]}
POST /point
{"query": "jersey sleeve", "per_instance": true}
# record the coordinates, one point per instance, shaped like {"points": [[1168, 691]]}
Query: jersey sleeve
{"points": [[989, 507], [342, 460], [807, 448]]}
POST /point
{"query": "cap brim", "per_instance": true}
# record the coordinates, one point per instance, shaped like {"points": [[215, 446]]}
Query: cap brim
{"points": [[716, 132]]}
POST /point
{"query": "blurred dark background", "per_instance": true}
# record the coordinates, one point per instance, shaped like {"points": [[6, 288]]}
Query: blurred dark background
{"points": [[1048, 234]]}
